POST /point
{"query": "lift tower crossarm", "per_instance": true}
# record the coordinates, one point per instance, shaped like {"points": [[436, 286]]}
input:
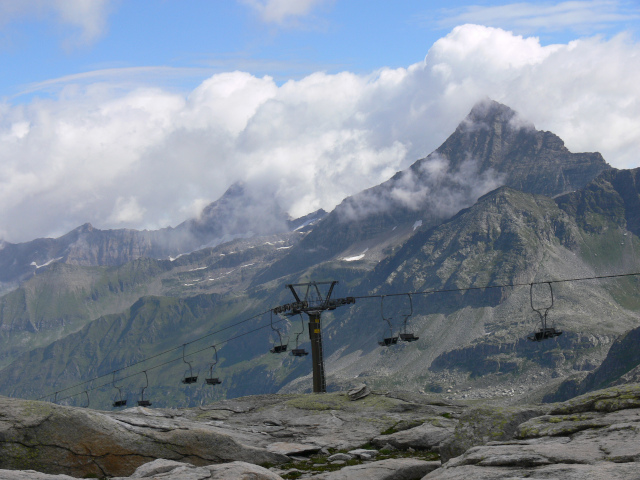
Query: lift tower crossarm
{"points": [[313, 306]]}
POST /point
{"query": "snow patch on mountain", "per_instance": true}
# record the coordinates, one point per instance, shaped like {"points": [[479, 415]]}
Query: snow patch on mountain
{"points": [[355, 258], [45, 264]]}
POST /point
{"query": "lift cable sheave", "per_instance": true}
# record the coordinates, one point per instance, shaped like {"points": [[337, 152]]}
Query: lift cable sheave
{"points": [[311, 301]]}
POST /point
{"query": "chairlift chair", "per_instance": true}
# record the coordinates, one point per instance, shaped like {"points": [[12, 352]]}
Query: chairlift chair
{"points": [[190, 378], [281, 347], [211, 380], [404, 335], [142, 402], [390, 340], [299, 352], [544, 333], [118, 401]]}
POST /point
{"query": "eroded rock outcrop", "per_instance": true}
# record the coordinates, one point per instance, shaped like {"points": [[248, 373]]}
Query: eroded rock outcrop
{"points": [[593, 436], [170, 470], [74, 441]]}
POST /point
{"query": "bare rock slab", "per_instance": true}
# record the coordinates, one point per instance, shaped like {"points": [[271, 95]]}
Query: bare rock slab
{"points": [[288, 448], [169, 470], [427, 436], [389, 469], [31, 475], [599, 471], [157, 467], [77, 441]]}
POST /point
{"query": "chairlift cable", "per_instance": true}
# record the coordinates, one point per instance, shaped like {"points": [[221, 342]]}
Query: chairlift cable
{"points": [[425, 292], [161, 353], [506, 285], [168, 362]]}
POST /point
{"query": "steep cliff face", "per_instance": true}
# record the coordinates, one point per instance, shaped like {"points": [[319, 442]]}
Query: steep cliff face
{"points": [[611, 199], [623, 358], [530, 160]]}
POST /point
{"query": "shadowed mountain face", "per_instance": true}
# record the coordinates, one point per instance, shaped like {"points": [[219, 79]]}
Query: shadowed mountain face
{"points": [[493, 146], [239, 212], [524, 158], [613, 196]]}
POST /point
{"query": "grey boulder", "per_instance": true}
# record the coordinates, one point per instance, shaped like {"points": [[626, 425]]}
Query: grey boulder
{"points": [[427, 436], [169, 470], [389, 469]]}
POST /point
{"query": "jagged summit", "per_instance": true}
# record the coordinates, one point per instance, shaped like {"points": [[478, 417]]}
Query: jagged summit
{"points": [[240, 211], [489, 111], [496, 139]]}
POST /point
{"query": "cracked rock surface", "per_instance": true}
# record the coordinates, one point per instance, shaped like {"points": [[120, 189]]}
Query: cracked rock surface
{"points": [[75, 441], [594, 436]]}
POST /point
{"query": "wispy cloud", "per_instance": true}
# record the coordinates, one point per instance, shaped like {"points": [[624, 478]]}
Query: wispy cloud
{"points": [[282, 12], [583, 17], [125, 77], [84, 21]]}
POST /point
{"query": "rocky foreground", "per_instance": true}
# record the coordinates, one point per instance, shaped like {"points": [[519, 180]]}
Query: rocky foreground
{"points": [[381, 435]]}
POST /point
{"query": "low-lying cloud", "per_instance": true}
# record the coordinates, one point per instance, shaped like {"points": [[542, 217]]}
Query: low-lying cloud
{"points": [[434, 188], [148, 157]]}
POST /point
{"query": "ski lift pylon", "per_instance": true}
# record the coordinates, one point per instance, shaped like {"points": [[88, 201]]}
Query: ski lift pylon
{"points": [[211, 380], [281, 347], [142, 402], [544, 332], [390, 340], [190, 378], [118, 401]]}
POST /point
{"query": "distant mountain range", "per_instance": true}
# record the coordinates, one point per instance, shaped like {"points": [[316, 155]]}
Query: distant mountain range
{"points": [[498, 203], [237, 214]]}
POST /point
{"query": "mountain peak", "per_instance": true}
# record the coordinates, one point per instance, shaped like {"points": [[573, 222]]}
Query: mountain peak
{"points": [[235, 190], [489, 112]]}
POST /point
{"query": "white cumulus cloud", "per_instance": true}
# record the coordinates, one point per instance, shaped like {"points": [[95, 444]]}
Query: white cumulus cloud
{"points": [[147, 157]]}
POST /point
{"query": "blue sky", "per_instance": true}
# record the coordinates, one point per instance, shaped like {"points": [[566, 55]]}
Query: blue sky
{"points": [[137, 113], [202, 37]]}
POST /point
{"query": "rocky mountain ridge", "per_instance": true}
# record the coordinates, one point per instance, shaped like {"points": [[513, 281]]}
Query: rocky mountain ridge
{"points": [[239, 213]]}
